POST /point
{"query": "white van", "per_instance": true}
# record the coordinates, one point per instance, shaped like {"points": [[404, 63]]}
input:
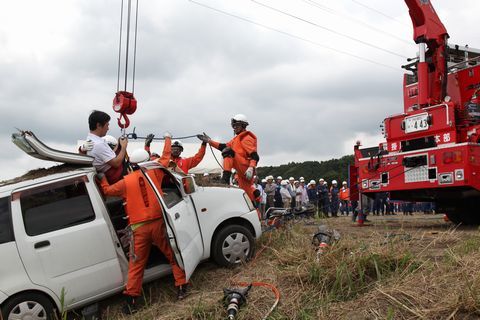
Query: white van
{"points": [[58, 232]]}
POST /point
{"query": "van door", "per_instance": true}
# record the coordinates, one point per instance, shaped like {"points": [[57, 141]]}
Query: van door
{"points": [[183, 228], [64, 242]]}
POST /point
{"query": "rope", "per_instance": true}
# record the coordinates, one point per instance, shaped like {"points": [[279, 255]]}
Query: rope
{"points": [[134, 136], [215, 157]]}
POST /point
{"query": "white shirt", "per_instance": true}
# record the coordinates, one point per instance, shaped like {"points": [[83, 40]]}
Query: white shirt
{"points": [[262, 193], [101, 152], [285, 193]]}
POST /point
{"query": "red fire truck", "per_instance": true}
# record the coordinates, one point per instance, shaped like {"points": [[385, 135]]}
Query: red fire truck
{"points": [[432, 150]]}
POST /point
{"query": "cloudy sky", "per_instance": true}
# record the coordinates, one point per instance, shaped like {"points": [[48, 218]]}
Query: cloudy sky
{"points": [[312, 76]]}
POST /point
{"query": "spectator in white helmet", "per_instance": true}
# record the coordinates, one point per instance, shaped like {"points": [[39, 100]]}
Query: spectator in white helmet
{"points": [[286, 196]]}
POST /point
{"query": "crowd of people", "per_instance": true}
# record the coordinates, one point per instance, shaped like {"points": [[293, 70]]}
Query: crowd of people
{"points": [[291, 193], [328, 200]]}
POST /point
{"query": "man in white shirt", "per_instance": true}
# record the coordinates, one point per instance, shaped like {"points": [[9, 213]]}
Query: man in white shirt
{"points": [[105, 160]]}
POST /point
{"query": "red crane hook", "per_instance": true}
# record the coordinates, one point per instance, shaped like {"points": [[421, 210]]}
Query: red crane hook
{"points": [[124, 103]]}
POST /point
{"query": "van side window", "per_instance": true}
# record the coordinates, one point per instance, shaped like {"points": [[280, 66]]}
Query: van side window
{"points": [[6, 229], [57, 208], [167, 185], [171, 193]]}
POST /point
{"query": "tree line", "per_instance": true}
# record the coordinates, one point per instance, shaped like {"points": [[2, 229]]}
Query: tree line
{"points": [[333, 169]]}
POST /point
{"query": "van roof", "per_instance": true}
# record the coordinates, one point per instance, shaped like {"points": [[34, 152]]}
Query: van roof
{"points": [[41, 175]]}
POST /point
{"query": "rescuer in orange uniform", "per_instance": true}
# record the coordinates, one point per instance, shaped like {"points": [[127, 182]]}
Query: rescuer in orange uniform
{"points": [[344, 195], [146, 221], [240, 154], [184, 164]]}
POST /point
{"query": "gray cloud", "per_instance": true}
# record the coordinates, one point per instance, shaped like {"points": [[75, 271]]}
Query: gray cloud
{"points": [[197, 68]]}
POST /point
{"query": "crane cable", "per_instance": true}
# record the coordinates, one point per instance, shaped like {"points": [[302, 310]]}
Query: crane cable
{"points": [[127, 45], [291, 35], [380, 12], [124, 102], [329, 29], [351, 18]]}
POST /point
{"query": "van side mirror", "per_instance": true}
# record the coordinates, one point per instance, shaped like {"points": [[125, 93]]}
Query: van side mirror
{"points": [[188, 185]]}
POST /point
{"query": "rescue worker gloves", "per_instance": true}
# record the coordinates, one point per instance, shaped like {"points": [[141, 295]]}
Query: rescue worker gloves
{"points": [[249, 173], [149, 139], [204, 138], [100, 176], [87, 146]]}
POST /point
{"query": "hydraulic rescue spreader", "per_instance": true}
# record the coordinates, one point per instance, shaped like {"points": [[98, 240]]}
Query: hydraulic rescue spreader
{"points": [[124, 101]]}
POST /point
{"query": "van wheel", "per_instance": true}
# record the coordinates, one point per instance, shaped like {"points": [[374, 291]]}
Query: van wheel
{"points": [[28, 306], [232, 245]]}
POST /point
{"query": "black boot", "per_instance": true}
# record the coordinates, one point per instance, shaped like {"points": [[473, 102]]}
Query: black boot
{"points": [[226, 177], [131, 305], [182, 292]]}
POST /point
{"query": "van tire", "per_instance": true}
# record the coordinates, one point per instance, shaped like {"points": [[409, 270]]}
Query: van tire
{"points": [[38, 306], [233, 245]]}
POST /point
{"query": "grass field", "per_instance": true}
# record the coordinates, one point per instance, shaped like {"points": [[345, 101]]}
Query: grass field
{"points": [[397, 267]]}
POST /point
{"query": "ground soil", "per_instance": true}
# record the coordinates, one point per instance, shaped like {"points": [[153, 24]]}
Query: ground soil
{"points": [[427, 287]]}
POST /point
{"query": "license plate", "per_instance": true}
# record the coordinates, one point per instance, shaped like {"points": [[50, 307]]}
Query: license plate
{"points": [[416, 123]]}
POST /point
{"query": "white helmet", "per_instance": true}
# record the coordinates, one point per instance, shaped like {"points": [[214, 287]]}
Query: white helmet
{"points": [[344, 182], [284, 182], [111, 141], [264, 180], [177, 143], [334, 181], [321, 180], [240, 118], [302, 180], [291, 179], [139, 155], [279, 178], [269, 178], [312, 182]]}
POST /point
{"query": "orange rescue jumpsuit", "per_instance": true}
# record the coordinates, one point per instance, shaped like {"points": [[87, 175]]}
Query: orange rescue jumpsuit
{"points": [[186, 164], [146, 219], [244, 146]]}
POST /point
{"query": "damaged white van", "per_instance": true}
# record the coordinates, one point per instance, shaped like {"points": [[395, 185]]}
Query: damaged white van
{"points": [[57, 231]]}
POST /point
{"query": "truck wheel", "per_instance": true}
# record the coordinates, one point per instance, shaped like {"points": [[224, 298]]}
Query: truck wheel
{"points": [[465, 212], [454, 217], [233, 245], [32, 306]]}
